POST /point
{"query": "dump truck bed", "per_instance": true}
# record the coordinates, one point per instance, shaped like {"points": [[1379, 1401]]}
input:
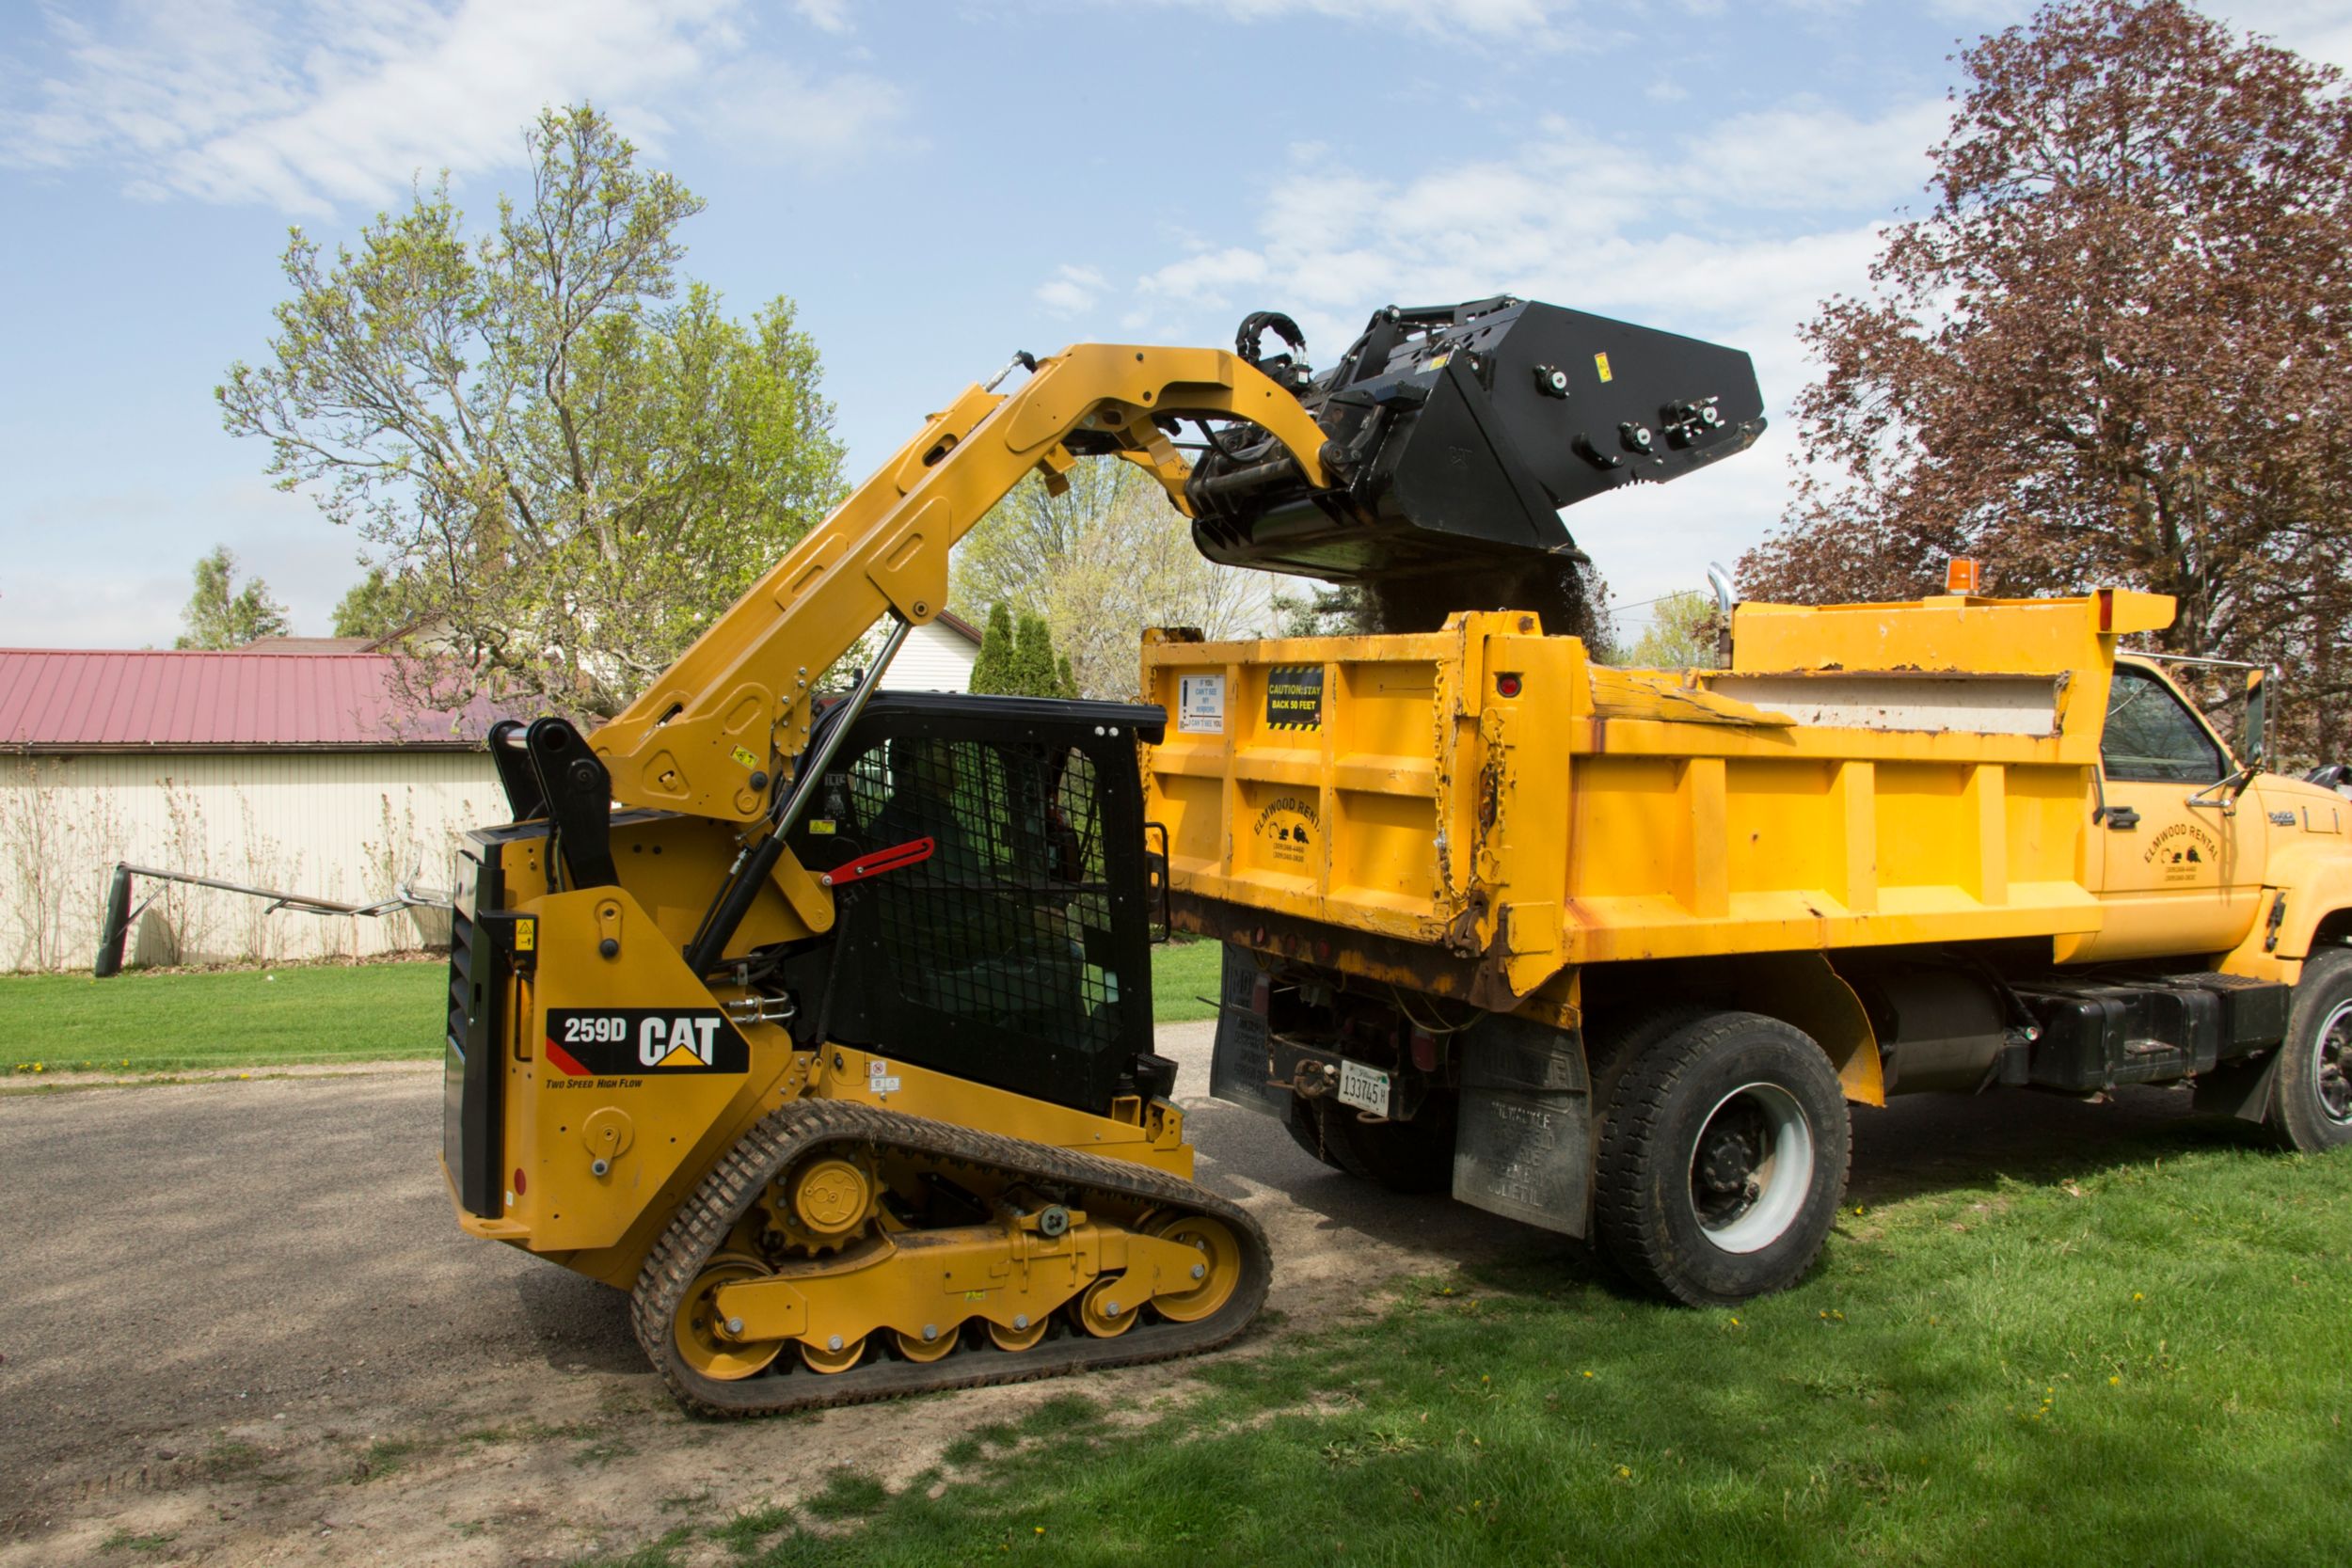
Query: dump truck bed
{"points": [[1860, 775]]}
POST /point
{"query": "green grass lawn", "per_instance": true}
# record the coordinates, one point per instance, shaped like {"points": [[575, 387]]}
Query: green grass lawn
{"points": [[324, 1013], [233, 1019], [2142, 1363], [1182, 974]]}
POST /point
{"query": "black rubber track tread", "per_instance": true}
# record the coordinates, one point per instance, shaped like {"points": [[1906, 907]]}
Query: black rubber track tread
{"points": [[703, 1221], [1639, 1103]]}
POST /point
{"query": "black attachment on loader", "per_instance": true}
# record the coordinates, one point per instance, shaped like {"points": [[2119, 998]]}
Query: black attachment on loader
{"points": [[1458, 433]]}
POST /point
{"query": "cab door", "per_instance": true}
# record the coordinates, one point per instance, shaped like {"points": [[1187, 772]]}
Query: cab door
{"points": [[2179, 874]]}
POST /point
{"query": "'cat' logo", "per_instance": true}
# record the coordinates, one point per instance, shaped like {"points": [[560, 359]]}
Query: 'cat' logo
{"points": [[625, 1042]]}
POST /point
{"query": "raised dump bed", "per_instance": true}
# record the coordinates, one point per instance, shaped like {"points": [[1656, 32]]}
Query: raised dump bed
{"points": [[1473, 810]]}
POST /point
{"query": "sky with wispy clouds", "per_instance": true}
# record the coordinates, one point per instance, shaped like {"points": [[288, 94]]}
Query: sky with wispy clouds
{"points": [[936, 182]]}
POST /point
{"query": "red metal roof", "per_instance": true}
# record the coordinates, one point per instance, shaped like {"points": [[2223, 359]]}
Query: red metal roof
{"points": [[73, 700]]}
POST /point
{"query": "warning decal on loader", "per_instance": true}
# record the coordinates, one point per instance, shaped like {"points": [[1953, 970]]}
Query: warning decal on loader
{"points": [[628, 1042]]}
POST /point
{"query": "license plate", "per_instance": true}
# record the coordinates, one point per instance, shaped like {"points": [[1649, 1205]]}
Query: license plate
{"points": [[1364, 1087]]}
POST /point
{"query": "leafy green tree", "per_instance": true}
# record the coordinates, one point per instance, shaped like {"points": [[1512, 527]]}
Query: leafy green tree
{"points": [[1017, 657], [371, 608], [219, 615], [567, 459], [1100, 562], [1040, 670], [1322, 610], [1681, 634], [993, 670], [1011, 555]]}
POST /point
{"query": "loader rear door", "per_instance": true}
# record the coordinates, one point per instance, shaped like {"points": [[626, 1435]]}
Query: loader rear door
{"points": [[2176, 879]]}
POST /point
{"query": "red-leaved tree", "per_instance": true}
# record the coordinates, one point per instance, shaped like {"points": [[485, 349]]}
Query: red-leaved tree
{"points": [[2113, 352]]}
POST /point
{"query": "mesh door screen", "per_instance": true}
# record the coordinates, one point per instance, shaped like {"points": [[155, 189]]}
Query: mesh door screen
{"points": [[1008, 925]]}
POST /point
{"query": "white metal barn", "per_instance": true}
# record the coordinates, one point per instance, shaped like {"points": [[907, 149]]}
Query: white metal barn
{"points": [[293, 765]]}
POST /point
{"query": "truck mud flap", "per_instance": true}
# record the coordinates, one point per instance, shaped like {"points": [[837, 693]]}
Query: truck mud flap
{"points": [[1241, 1062], [1523, 1147]]}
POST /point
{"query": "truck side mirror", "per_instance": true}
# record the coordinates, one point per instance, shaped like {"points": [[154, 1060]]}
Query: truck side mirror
{"points": [[2251, 743]]}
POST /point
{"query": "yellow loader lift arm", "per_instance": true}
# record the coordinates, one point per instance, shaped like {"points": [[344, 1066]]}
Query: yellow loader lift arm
{"points": [[708, 738]]}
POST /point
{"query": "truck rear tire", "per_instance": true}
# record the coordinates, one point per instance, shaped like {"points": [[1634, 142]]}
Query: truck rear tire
{"points": [[2313, 1108], [1722, 1160]]}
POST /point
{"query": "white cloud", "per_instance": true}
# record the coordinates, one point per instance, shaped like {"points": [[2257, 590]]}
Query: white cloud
{"points": [[1808, 156], [345, 101], [2321, 29], [832, 16], [1486, 17], [765, 105], [1072, 290], [1207, 278]]}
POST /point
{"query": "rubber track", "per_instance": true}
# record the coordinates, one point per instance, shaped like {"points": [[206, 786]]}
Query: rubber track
{"points": [[703, 1222]]}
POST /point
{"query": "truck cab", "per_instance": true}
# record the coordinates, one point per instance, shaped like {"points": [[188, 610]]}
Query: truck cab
{"points": [[2192, 846]]}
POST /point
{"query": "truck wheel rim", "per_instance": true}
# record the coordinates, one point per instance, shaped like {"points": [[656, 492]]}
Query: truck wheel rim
{"points": [[2331, 1064], [1750, 1167]]}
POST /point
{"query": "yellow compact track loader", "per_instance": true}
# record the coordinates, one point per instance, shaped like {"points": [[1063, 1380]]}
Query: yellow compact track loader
{"points": [[824, 1028]]}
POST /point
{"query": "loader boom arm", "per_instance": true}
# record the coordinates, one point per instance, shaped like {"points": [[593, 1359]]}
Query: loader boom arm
{"points": [[710, 736]]}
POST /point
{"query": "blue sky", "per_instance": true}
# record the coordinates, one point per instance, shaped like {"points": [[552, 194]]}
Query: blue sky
{"points": [[936, 184]]}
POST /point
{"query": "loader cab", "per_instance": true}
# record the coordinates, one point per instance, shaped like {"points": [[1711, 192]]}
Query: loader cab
{"points": [[2179, 866], [1016, 952]]}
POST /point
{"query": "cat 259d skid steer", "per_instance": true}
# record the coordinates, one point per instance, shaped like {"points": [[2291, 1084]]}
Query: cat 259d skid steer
{"points": [[824, 1028]]}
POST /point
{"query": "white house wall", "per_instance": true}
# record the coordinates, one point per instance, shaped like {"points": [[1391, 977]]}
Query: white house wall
{"points": [[345, 826], [934, 659]]}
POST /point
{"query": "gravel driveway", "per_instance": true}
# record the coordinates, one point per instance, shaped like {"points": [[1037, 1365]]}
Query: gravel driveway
{"points": [[240, 1325]]}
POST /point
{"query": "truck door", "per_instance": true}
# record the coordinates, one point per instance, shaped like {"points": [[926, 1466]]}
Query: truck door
{"points": [[2176, 878]]}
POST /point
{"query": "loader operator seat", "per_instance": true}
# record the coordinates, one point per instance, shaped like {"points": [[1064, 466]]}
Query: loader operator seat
{"points": [[926, 780], [980, 930], [1015, 952]]}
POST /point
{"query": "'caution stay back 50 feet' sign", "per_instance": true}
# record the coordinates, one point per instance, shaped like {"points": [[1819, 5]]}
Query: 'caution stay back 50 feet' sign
{"points": [[1294, 697]]}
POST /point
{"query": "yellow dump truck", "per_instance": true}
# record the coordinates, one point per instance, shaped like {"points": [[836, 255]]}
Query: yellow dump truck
{"points": [[1611, 950]]}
